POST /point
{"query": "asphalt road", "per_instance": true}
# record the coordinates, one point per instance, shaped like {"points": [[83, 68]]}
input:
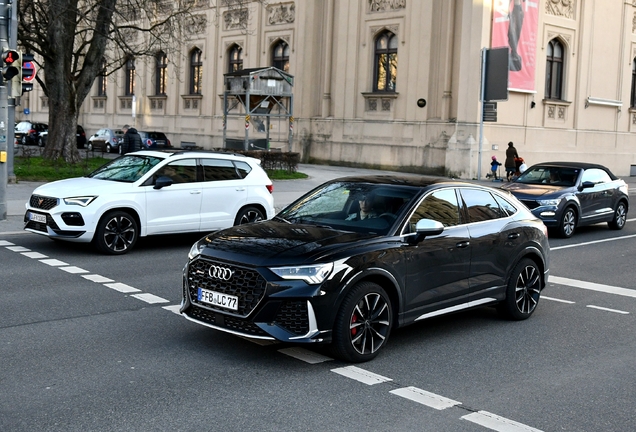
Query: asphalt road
{"points": [[92, 343]]}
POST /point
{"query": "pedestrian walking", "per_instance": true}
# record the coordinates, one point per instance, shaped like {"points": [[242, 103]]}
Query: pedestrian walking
{"points": [[494, 166], [132, 140], [510, 164]]}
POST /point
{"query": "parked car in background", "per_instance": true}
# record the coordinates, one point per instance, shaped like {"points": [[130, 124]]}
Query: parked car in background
{"points": [[322, 272], [566, 195], [152, 140], [81, 138], [28, 133], [106, 140], [152, 192]]}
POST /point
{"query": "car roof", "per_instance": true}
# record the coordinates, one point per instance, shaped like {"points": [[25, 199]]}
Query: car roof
{"points": [[191, 153], [415, 181], [580, 165]]}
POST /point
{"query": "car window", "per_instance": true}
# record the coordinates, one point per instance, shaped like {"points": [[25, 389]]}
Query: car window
{"points": [[505, 205], [481, 205], [181, 171], [218, 170], [129, 168], [596, 176], [243, 168], [441, 206]]}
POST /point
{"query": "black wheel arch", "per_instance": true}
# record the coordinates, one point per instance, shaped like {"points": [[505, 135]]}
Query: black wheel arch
{"points": [[535, 255]]}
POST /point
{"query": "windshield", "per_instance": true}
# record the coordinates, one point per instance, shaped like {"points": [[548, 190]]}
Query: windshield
{"points": [[351, 206], [556, 176], [129, 168]]}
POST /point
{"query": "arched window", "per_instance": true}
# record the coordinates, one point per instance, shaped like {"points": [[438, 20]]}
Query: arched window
{"points": [[554, 70], [280, 56], [130, 77], [196, 72], [632, 98], [101, 80], [161, 71], [235, 55], [385, 64]]}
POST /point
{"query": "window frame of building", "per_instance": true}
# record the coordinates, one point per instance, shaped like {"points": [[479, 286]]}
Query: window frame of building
{"points": [[129, 86], [385, 62], [161, 73], [235, 58], [632, 98], [196, 71], [102, 81], [554, 69], [280, 55]]}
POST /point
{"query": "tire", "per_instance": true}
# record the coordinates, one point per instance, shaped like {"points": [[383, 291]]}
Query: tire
{"points": [[620, 217], [90, 146], [568, 223], [247, 215], [117, 233], [108, 148], [523, 291], [40, 142], [24, 140], [363, 323]]}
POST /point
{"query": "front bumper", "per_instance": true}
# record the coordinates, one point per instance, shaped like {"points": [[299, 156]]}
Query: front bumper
{"points": [[51, 217]]}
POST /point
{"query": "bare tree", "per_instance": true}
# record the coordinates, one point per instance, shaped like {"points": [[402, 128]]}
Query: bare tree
{"points": [[77, 40]]}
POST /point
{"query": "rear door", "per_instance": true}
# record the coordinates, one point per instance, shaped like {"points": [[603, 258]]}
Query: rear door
{"points": [[596, 202], [175, 208], [224, 193]]}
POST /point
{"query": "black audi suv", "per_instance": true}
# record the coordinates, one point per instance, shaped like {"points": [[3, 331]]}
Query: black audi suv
{"points": [[357, 257]]}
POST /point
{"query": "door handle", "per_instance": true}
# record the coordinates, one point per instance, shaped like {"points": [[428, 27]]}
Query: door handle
{"points": [[513, 236], [240, 189], [195, 192], [463, 244]]}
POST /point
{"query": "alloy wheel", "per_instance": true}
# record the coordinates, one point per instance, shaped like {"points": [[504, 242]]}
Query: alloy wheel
{"points": [[527, 289], [119, 234], [569, 223], [369, 324]]}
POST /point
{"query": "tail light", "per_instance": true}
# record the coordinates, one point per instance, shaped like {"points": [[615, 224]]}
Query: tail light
{"points": [[270, 188], [169, 143], [31, 131], [148, 142]]}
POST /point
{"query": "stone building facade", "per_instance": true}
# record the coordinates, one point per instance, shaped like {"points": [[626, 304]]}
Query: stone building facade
{"points": [[396, 83]]}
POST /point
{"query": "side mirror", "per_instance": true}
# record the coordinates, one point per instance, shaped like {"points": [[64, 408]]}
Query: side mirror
{"points": [[586, 185], [425, 228], [162, 182]]}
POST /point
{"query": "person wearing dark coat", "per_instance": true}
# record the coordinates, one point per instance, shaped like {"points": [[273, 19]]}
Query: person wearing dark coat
{"points": [[511, 166], [132, 140]]}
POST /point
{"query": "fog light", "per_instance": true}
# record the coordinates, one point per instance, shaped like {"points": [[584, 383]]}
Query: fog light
{"points": [[73, 219]]}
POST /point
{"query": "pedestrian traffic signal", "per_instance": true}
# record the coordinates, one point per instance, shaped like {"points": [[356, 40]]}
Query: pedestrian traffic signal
{"points": [[28, 72], [11, 64]]}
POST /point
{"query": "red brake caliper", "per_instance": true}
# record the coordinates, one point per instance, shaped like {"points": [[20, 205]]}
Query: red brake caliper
{"points": [[354, 330]]}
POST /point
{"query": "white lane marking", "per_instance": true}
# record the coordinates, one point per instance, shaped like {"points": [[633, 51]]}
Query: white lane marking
{"points": [[557, 300], [35, 255], [5, 243], [150, 298], [593, 242], [425, 398], [73, 270], [53, 262], [608, 309], [173, 308], [361, 375], [593, 286], [18, 249], [118, 286], [261, 342], [97, 278], [305, 355], [497, 423]]}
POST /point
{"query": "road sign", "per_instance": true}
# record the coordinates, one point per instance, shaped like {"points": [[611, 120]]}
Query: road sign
{"points": [[29, 65]]}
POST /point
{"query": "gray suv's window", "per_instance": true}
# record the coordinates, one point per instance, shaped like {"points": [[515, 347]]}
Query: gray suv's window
{"points": [[481, 205]]}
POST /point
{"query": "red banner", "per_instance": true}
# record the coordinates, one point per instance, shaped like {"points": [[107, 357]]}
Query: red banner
{"points": [[514, 25]]}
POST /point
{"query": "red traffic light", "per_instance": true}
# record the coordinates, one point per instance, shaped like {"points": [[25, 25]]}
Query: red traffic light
{"points": [[10, 63], [10, 56]]}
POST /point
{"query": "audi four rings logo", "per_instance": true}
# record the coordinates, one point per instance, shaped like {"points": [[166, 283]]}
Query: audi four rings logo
{"points": [[221, 273]]}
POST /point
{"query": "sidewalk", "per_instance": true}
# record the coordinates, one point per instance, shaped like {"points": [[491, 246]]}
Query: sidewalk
{"points": [[285, 191]]}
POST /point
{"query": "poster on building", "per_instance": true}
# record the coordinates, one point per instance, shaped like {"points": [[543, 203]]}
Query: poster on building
{"points": [[515, 25]]}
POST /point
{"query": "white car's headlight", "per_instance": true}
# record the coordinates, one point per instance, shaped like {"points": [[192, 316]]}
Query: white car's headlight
{"points": [[549, 202], [312, 274], [80, 201]]}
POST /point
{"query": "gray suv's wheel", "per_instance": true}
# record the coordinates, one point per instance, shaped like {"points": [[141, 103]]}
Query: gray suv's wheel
{"points": [[568, 223], [620, 217], [523, 291]]}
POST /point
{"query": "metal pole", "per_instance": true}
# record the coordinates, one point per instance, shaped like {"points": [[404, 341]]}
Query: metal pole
{"points": [[481, 109], [4, 103], [12, 102]]}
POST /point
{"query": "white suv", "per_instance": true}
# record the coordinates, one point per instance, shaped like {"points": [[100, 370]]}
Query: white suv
{"points": [[151, 192]]}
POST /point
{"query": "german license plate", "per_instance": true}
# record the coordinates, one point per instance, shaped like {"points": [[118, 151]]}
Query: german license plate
{"points": [[37, 217], [217, 299]]}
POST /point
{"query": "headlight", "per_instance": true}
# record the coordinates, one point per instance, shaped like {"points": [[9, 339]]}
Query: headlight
{"points": [[80, 201], [549, 202], [312, 274], [195, 250]]}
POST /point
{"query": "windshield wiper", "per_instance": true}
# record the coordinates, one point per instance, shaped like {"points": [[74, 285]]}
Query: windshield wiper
{"points": [[280, 218]]}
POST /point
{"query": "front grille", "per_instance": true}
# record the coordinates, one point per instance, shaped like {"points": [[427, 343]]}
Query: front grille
{"points": [[293, 316], [42, 202], [246, 284], [223, 321], [530, 204]]}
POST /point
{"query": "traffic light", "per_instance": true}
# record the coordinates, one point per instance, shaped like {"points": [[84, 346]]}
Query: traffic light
{"points": [[28, 72], [11, 64]]}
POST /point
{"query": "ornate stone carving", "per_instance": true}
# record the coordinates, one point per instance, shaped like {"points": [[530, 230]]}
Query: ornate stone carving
{"points": [[634, 23], [235, 19], [563, 8], [384, 5], [197, 24], [282, 13]]}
